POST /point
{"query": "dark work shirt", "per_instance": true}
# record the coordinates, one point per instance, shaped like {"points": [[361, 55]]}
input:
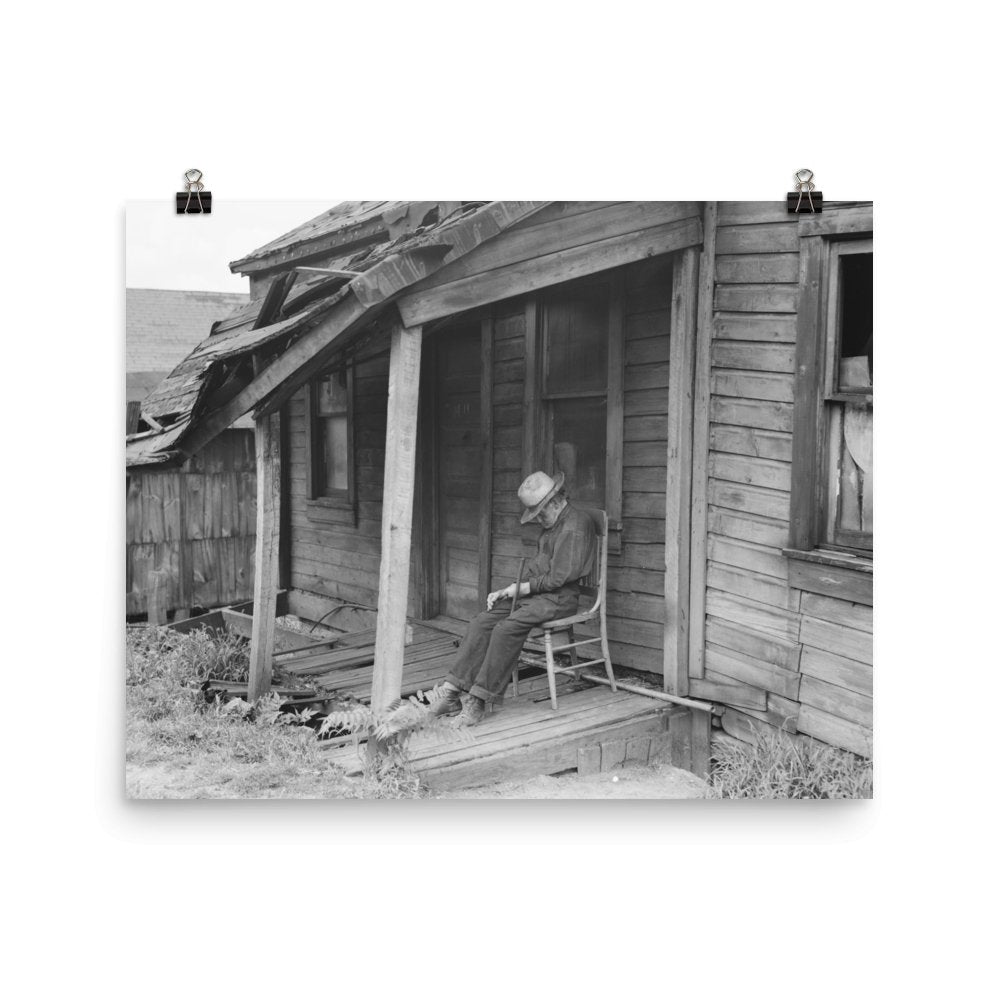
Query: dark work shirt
{"points": [[566, 552]]}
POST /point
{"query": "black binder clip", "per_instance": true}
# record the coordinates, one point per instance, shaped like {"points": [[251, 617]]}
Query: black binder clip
{"points": [[807, 199], [196, 200]]}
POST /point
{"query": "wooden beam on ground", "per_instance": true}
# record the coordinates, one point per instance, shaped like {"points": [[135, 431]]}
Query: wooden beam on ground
{"points": [[680, 415], [397, 513], [265, 584], [700, 443]]}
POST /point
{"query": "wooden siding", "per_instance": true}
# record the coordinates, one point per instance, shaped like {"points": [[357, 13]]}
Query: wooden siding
{"points": [[635, 577], [190, 532], [807, 652], [335, 549], [810, 653]]}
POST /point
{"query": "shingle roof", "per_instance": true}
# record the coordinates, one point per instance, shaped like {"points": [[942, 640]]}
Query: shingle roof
{"points": [[163, 325]]}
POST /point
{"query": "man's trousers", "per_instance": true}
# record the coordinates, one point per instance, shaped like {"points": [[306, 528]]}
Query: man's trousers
{"points": [[488, 654]]}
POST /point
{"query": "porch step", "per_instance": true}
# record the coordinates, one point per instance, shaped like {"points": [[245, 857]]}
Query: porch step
{"points": [[524, 738]]}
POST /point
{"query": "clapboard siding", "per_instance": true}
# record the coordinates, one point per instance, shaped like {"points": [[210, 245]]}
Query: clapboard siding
{"points": [[811, 654], [335, 551]]}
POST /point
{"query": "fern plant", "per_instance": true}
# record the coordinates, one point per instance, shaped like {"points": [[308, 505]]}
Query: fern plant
{"points": [[397, 723]]}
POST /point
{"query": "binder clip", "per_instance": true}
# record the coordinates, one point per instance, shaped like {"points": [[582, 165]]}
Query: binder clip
{"points": [[196, 200], [807, 199]]}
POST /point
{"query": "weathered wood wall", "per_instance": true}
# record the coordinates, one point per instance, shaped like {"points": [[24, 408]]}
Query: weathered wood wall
{"points": [[810, 653], [189, 532], [335, 552], [635, 577]]}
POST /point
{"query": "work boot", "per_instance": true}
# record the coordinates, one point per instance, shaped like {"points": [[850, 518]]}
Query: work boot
{"points": [[444, 700], [472, 712]]}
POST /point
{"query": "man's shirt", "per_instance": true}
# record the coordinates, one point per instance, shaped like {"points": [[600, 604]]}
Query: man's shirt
{"points": [[566, 552]]}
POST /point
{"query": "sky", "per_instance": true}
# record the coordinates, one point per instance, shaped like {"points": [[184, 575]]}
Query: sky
{"points": [[166, 250]]}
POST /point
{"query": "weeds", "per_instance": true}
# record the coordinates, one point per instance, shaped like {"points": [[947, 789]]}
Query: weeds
{"points": [[185, 658], [777, 767], [179, 745]]}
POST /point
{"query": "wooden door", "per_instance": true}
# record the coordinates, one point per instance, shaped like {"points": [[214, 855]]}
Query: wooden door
{"points": [[459, 453]]}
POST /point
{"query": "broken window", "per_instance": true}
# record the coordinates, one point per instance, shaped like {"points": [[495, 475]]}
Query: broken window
{"points": [[849, 497]]}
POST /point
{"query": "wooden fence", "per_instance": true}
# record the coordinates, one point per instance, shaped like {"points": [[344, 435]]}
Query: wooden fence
{"points": [[190, 532]]}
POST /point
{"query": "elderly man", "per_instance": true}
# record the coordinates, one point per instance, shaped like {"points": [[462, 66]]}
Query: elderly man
{"points": [[549, 589]]}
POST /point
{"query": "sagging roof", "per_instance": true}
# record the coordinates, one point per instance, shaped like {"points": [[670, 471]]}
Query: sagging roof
{"points": [[216, 382]]}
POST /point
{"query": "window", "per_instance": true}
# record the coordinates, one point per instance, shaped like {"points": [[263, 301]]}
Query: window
{"points": [[832, 486], [330, 403], [574, 392], [848, 494]]}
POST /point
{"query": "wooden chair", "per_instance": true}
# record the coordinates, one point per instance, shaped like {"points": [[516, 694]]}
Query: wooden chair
{"points": [[557, 635]]}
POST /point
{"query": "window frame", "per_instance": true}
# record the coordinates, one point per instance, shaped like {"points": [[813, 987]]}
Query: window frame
{"points": [[537, 449], [817, 392], [316, 491]]}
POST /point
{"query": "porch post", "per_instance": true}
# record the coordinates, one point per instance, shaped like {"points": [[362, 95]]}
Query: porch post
{"points": [[397, 514], [680, 420], [265, 582]]}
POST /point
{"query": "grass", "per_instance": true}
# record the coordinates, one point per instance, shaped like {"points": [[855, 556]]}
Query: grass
{"points": [[178, 745], [777, 767]]}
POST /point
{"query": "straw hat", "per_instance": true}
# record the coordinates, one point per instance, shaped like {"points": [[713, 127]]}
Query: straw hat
{"points": [[536, 491]]}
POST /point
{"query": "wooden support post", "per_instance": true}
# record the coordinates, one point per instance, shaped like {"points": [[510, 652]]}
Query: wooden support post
{"points": [[397, 514], [486, 460], [680, 396], [700, 438], [265, 582]]}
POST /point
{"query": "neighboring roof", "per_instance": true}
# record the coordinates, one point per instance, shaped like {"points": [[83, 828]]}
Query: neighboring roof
{"points": [[209, 380], [163, 325]]}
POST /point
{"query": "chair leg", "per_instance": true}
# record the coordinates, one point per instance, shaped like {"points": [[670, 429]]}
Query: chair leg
{"points": [[550, 664], [513, 678], [573, 656]]}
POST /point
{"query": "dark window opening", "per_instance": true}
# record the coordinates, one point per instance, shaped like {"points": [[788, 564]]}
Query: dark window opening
{"points": [[856, 323]]}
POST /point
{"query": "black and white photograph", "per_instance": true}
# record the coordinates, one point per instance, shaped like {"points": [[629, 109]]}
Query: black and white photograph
{"points": [[499, 597], [499, 499]]}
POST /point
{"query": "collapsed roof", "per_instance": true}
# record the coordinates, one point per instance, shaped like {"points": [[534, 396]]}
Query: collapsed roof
{"points": [[369, 253]]}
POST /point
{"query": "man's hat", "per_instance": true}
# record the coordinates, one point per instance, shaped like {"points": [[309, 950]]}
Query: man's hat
{"points": [[536, 491]]}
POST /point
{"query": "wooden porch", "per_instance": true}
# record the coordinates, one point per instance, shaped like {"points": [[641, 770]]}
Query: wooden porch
{"points": [[594, 729]]}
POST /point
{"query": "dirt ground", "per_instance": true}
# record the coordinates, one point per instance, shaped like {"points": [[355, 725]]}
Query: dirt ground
{"points": [[207, 780], [631, 781]]}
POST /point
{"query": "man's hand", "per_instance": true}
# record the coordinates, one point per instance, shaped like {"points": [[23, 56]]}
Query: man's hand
{"points": [[498, 595]]}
